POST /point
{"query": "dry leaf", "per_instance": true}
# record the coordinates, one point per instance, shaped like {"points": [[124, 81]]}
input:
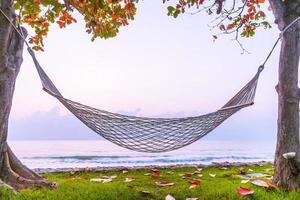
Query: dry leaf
{"points": [[272, 186], [245, 181], [199, 169], [170, 173], [101, 180], [186, 174], [154, 170], [191, 199], [242, 170], [241, 191], [125, 171], [169, 197], [147, 174], [223, 168], [264, 184], [200, 175], [155, 174], [260, 183], [212, 175], [194, 183], [164, 184], [127, 180]]}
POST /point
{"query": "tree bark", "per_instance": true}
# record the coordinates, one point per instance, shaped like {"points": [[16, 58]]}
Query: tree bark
{"points": [[12, 172], [286, 170]]}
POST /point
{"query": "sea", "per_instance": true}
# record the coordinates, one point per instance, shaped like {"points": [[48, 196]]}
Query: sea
{"points": [[102, 153]]}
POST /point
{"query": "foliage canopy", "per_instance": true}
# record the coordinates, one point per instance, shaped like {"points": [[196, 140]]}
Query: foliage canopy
{"points": [[103, 18]]}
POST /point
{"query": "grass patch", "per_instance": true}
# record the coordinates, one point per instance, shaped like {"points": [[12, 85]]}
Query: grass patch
{"points": [[221, 187]]}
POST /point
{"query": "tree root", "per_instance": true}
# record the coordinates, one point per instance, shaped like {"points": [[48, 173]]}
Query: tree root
{"points": [[17, 176], [4, 185]]}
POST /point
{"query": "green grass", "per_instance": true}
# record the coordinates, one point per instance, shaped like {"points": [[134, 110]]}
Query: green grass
{"points": [[78, 186]]}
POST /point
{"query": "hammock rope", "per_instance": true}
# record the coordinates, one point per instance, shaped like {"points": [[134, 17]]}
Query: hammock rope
{"points": [[151, 134]]}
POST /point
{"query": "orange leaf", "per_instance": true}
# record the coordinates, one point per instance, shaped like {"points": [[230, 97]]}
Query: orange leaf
{"points": [[186, 174], [194, 183], [241, 191], [155, 174]]}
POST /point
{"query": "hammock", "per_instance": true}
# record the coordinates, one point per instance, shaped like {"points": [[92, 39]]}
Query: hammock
{"points": [[150, 134]]}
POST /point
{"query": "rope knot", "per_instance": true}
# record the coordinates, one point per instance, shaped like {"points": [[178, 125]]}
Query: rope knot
{"points": [[261, 68]]}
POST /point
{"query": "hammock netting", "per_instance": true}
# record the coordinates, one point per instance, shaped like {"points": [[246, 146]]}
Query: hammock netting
{"points": [[150, 134]]}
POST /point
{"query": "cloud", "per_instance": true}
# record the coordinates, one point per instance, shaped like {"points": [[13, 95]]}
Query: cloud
{"points": [[49, 126], [52, 125]]}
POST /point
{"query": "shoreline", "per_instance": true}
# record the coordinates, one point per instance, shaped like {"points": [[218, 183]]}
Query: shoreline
{"points": [[120, 168]]}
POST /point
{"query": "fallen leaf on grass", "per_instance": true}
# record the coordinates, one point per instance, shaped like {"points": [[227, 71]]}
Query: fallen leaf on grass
{"points": [[169, 197], [223, 168], [200, 175], [147, 174], [125, 171], [170, 173], [194, 183], [212, 175], [154, 170], [255, 175], [241, 191], [191, 199], [72, 172], [164, 184], [245, 181], [260, 183], [272, 186], [186, 174], [155, 174], [242, 170], [101, 180], [199, 169], [264, 184], [250, 170], [127, 180]]}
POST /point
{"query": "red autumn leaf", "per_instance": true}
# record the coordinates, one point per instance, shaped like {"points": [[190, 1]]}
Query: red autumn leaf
{"points": [[186, 174], [260, 1], [241, 191], [155, 174], [194, 183]]}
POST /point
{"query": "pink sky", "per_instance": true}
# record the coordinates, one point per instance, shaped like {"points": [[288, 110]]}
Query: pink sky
{"points": [[157, 65]]}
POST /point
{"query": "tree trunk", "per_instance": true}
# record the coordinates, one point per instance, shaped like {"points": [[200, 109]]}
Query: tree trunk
{"points": [[287, 168], [12, 172]]}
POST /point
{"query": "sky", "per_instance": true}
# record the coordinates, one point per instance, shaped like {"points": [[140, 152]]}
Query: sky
{"points": [[156, 67]]}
